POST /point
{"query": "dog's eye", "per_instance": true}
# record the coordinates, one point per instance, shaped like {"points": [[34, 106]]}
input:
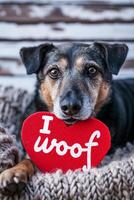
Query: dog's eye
{"points": [[54, 73], [92, 70]]}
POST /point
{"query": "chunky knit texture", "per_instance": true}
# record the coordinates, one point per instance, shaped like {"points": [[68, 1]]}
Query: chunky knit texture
{"points": [[112, 180]]}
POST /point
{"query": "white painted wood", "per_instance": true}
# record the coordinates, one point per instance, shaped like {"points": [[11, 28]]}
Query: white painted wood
{"points": [[11, 49], [82, 13], [26, 82], [12, 67], [72, 1], [69, 31], [73, 11]]}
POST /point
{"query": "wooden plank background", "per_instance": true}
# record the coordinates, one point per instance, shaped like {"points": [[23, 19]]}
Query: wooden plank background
{"points": [[29, 23]]}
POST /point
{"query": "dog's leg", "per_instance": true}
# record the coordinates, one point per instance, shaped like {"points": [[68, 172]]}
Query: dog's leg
{"points": [[14, 179]]}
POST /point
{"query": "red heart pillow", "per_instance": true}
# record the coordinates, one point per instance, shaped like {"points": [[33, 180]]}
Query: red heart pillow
{"points": [[52, 145]]}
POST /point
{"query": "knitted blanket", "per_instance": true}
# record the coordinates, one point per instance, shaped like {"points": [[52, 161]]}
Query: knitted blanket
{"points": [[112, 180]]}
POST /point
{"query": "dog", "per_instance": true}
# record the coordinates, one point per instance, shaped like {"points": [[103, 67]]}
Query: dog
{"points": [[74, 81]]}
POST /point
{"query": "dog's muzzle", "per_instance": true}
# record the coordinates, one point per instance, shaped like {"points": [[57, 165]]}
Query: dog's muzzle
{"points": [[73, 106], [70, 104]]}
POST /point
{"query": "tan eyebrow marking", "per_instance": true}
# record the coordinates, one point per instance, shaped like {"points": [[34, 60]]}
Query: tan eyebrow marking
{"points": [[79, 62], [63, 62]]}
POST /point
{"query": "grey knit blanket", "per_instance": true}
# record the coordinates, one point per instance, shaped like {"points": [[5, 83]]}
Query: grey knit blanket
{"points": [[112, 180]]}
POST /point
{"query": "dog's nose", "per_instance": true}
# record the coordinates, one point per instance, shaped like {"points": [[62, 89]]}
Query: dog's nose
{"points": [[70, 108], [70, 105]]}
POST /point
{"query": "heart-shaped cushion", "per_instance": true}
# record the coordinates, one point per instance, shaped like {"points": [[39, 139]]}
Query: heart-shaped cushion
{"points": [[52, 145]]}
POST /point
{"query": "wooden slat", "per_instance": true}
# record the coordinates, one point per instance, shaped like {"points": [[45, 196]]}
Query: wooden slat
{"points": [[78, 2], [64, 32], [43, 40], [9, 66], [89, 14], [24, 82]]}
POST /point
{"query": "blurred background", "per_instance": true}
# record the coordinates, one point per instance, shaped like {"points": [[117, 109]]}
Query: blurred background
{"points": [[31, 22]]}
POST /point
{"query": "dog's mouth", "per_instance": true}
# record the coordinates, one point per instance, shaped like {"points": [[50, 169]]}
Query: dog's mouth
{"points": [[70, 121]]}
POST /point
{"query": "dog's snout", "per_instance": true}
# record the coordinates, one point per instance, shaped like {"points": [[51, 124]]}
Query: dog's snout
{"points": [[70, 104], [70, 108]]}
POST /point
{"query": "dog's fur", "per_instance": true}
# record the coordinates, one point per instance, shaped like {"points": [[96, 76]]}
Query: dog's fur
{"points": [[75, 82]]}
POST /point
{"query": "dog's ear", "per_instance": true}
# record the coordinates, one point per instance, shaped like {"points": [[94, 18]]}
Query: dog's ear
{"points": [[32, 56], [114, 55]]}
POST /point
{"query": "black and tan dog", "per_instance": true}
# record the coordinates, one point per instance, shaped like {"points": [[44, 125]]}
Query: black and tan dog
{"points": [[75, 83]]}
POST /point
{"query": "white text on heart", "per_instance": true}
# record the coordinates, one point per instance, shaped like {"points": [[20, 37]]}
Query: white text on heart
{"points": [[62, 147]]}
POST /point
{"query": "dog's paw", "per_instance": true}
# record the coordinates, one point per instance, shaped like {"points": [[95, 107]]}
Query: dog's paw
{"points": [[13, 180]]}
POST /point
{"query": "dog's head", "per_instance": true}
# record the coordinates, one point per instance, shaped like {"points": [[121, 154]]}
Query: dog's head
{"points": [[74, 78]]}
